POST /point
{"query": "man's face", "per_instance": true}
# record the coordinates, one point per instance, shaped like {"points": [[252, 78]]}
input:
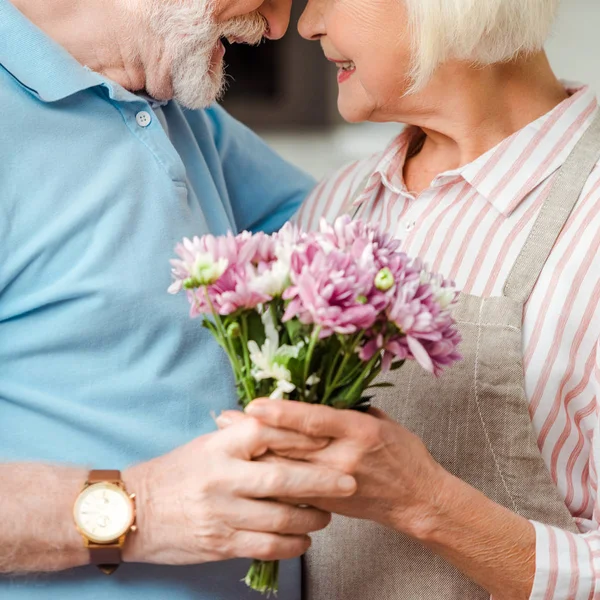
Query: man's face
{"points": [[190, 32]]}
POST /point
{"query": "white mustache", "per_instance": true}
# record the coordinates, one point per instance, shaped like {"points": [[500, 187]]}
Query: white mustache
{"points": [[250, 29]]}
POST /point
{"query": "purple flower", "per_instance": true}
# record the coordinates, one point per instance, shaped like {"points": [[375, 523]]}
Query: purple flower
{"points": [[333, 277], [217, 271], [344, 279], [332, 290], [418, 325], [230, 293]]}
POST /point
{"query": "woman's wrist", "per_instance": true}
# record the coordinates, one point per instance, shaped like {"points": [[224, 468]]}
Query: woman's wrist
{"points": [[479, 537], [429, 517]]}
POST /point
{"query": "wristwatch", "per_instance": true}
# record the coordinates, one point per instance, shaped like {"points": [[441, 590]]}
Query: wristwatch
{"points": [[104, 514]]}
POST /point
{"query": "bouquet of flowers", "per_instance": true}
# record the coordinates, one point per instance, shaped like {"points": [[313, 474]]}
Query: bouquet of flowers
{"points": [[316, 317]]}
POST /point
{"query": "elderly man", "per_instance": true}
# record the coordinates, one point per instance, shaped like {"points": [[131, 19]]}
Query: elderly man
{"points": [[100, 175]]}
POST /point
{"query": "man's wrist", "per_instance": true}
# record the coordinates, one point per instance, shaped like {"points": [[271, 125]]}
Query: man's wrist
{"points": [[135, 481]]}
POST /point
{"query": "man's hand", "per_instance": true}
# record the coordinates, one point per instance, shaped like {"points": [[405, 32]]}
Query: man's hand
{"points": [[208, 500]]}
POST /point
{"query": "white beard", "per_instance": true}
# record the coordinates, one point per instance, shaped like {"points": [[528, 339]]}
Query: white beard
{"points": [[191, 40]]}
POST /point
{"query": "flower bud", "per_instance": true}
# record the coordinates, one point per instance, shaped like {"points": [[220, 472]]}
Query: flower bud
{"points": [[384, 280], [362, 299], [190, 283], [234, 330]]}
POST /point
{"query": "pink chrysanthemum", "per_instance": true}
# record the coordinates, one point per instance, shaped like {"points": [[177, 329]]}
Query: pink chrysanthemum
{"points": [[333, 275], [217, 271], [421, 323], [231, 292]]}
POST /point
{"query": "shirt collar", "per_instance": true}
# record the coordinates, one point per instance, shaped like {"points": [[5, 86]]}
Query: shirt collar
{"points": [[39, 64], [509, 172]]}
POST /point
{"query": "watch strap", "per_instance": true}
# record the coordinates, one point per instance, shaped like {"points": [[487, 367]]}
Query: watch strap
{"points": [[107, 557], [100, 476]]}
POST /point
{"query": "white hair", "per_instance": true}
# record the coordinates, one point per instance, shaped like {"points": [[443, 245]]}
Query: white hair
{"points": [[189, 35], [483, 32]]}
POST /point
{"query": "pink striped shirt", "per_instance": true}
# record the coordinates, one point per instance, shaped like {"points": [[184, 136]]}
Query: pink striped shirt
{"points": [[470, 225]]}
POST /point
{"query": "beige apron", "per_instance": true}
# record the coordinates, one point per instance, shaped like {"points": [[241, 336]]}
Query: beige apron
{"points": [[475, 422]]}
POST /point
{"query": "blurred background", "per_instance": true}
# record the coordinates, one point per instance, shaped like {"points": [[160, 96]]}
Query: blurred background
{"points": [[287, 91]]}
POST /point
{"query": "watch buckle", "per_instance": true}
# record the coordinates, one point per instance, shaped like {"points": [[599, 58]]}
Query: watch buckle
{"points": [[108, 569]]}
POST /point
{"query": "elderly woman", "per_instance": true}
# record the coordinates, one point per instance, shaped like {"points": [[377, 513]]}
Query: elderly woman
{"points": [[485, 481]]}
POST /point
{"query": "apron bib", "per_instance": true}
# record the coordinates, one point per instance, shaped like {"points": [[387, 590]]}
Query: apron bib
{"points": [[475, 422]]}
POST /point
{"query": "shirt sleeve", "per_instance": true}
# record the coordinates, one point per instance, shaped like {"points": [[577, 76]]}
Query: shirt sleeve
{"points": [[568, 564], [264, 190]]}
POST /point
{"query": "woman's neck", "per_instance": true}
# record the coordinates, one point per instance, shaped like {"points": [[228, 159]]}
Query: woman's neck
{"points": [[465, 112]]}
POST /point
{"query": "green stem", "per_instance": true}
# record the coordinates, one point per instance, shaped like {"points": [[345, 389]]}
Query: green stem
{"points": [[274, 314], [311, 348], [263, 577], [330, 388], [333, 368], [233, 358], [247, 357], [366, 374], [374, 374]]}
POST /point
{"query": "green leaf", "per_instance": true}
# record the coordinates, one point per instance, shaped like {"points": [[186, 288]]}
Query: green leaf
{"points": [[294, 330], [396, 365], [284, 354], [384, 384], [256, 329]]}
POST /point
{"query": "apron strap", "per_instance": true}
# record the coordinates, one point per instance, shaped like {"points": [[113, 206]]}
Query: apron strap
{"points": [[555, 212]]}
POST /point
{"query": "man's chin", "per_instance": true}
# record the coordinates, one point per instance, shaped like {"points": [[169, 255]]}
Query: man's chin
{"points": [[196, 91]]}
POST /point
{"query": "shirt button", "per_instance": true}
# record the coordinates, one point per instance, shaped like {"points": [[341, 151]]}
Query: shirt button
{"points": [[143, 118], [410, 225]]}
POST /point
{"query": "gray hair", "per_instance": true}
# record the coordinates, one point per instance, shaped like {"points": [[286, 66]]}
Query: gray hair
{"points": [[483, 32]]}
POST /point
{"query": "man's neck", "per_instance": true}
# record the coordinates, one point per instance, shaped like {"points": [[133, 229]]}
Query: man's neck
{"points": [[93, 32]]}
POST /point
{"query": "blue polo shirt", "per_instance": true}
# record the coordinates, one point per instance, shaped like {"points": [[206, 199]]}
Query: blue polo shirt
{"points": [[99, 365]]}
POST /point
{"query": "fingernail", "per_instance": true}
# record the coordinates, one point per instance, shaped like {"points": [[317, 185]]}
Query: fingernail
{"points": [[254, 409], [223, 421], [346, 483]]}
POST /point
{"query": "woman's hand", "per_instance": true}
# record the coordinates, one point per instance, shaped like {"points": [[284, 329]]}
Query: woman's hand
{"points": [[401, 486], [398, 480]]}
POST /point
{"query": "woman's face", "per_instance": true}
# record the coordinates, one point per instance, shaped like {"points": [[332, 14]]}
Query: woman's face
{"points": [[368, 40]]}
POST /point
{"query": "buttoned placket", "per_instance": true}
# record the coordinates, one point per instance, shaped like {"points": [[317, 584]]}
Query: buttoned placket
{"points": [[144, 123], [419, 202]]}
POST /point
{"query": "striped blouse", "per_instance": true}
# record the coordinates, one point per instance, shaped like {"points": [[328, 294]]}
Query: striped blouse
{"points": [[470, 225]]}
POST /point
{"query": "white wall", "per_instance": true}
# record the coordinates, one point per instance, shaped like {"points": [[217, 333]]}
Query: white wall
{"points": [[574, 48]]}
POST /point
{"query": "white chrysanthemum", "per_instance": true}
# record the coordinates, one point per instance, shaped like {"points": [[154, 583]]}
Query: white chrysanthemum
{"points": [[274, 281], [269, 360]]}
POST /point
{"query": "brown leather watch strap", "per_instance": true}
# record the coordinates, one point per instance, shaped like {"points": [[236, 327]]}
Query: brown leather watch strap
{"points": [[106, 558], [99, 476]]}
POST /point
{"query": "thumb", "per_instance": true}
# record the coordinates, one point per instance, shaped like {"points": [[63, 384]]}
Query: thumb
{"points": [[229, 417]]}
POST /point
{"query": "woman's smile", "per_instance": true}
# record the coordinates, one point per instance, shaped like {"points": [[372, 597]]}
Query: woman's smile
{"points": [[346, 68]]}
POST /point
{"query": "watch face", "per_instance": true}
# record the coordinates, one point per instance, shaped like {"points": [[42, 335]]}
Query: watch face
{"points": [[103, 512]]}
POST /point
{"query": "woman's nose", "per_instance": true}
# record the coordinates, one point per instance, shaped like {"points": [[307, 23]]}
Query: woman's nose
{"points": [[277, 13], [311, 26]]}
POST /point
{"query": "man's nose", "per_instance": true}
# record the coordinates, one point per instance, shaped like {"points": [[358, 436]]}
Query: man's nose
{"points": [[277, 13]]}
